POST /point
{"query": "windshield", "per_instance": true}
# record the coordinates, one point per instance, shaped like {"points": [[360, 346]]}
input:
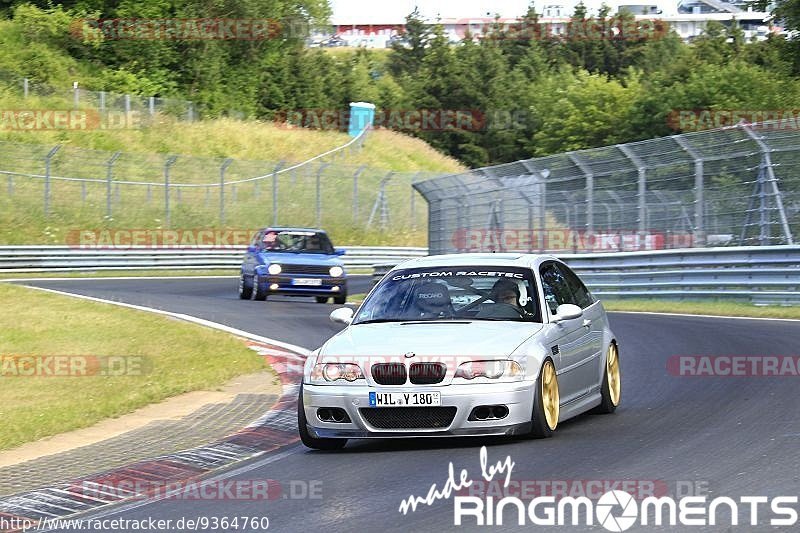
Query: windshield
{"points": [[308, 242], [453, 293]]}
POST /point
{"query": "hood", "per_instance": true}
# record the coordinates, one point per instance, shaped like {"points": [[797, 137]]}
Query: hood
{"points": [[496, 340], [300, 258]]}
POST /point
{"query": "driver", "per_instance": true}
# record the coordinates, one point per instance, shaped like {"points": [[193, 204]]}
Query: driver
{"points": [[506, 291]]}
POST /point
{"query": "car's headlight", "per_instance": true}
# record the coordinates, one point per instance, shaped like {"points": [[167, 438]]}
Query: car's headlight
{"points": [[490, 370], [336, 271], [330, 372], [274, 269]]}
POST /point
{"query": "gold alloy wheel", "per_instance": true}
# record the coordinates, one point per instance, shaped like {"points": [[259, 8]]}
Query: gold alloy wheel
{"points": [[550, 397], [612, 371]]}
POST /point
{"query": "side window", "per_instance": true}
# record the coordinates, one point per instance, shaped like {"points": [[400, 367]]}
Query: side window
{"points": [[257, 239], [583, 297], [555, 287]]}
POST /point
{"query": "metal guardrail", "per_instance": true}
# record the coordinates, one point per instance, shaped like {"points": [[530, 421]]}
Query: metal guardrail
{"points": [[760, 274], [71, 259]]}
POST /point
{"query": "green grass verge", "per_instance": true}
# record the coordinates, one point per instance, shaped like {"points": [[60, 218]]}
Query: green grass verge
{"points": [[117, 273], [140, 273], [715, 307], [177, 357]]}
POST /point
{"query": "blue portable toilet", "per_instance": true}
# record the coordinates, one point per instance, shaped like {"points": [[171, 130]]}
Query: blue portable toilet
{"points": [[362, 115]]}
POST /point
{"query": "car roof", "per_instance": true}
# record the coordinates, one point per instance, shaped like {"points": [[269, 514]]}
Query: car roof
{"points": [[281, 228], [478, 259]]}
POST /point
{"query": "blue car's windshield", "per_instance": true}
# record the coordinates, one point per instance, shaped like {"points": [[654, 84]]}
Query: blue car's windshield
{"points": [[307, 242], [453, 293]]}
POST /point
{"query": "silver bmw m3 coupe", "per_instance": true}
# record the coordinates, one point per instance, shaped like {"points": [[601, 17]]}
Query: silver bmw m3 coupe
{"points": [[466, 344]]}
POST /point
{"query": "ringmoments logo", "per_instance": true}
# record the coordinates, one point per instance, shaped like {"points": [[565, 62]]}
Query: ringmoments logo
{"points": [[618, 510], [615, 510]]}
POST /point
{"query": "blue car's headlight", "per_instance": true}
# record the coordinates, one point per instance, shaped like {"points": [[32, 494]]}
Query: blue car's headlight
{"points": [[274, 269], [336, 271]]}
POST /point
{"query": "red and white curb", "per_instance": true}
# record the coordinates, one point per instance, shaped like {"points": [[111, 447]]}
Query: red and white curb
{"points": [[270, 434]]}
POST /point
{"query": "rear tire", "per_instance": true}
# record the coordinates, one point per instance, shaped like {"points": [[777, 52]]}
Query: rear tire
{"points": [[546, 402], [308, 440], [245, 289], [321, 299], [340, 300], [259, 292], [611, 390]]}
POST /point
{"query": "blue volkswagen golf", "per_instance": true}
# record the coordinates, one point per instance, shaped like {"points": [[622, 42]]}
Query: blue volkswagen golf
{"points": [[294, 262]]}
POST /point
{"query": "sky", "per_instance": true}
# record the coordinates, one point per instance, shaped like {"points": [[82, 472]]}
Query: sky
{"points": [[390, 11]]}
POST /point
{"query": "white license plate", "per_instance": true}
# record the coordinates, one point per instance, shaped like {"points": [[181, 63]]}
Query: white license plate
{"points": [[403, 399], [308, 282]]}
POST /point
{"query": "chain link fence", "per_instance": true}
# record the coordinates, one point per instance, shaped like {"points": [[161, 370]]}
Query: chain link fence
{"points": [[89, 189], [115, 106], [738, 185]]}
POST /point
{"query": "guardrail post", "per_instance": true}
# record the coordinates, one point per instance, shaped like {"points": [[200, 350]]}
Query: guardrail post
{"points": [[190, 112], [48, 158], [275, 193], [127, 105], [222, 169], [25, 88], [109, 175], [699, 192], [587, 172], [766, 166], [322, 167], [151, 105], [413, 206], [169, 162], [103, 102], [380, 202], [10, 185], [357, 173], [641, 194]]}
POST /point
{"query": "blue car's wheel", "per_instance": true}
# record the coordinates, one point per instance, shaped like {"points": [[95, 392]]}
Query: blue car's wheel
{"points": [[259, 290], [245, 288]]}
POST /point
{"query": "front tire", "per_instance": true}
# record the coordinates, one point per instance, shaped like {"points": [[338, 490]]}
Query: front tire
{"points": [[546, 402], [308, 440], [321, 299], [245, 289], [340, 300], [259, 291], [611, 390]]}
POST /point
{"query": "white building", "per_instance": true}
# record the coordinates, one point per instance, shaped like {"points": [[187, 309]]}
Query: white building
{"points": [[373, 27]]}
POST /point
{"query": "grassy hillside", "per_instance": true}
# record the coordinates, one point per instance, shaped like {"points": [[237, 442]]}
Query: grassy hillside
{"points": [[255, 146]]}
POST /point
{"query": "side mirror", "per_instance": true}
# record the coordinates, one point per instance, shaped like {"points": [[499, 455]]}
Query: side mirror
{"points": [[340, 251], [567, 312], [343, 315]]}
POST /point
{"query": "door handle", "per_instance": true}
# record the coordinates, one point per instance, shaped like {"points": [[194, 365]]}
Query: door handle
{"points": [[587, 323]]}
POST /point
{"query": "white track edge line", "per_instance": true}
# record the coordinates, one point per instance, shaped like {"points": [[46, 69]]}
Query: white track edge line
{"points": [[187, 318]]}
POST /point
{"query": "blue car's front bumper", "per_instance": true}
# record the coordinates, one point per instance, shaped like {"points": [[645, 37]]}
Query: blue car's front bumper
{"points": [[289, 284]]}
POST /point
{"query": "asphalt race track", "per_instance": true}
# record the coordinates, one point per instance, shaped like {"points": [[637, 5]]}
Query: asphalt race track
{"points": [[725, 436]]}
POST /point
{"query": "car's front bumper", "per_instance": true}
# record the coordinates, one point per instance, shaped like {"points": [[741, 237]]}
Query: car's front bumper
{"points": [[283, 284], [518, 397]]}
